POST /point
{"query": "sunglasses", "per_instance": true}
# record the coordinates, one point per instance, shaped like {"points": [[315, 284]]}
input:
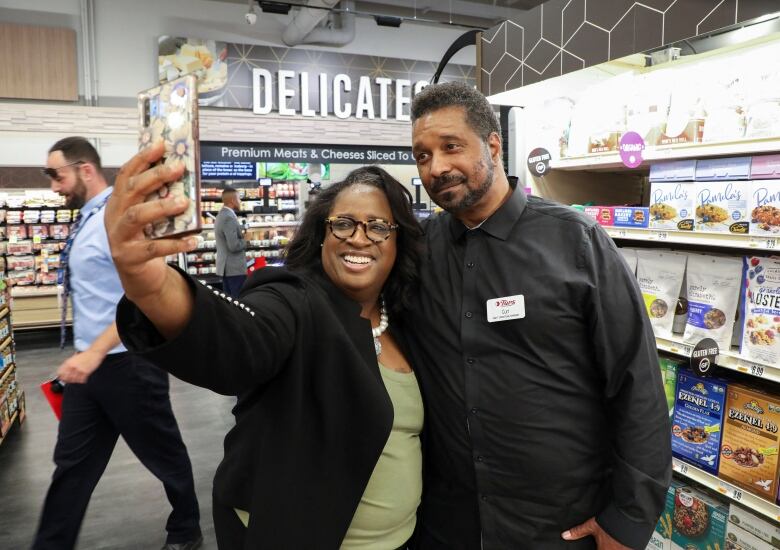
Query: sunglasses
{"points": [[52, 173]]}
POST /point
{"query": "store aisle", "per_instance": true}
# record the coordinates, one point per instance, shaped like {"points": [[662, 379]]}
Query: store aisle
{"points": [[128, 509]]}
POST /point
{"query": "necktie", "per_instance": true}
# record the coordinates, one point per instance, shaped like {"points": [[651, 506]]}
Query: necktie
{"points": [[64, 276]]}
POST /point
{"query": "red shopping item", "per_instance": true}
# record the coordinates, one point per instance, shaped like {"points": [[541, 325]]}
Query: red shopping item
{"points": [[257, 264], [52, 390]]}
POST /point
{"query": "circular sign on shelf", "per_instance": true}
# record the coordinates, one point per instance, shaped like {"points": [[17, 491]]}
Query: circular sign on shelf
{"points": [[704, 355], [631, 147], [539, 161]]}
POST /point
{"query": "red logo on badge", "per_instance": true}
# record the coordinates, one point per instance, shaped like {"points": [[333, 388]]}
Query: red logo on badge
{"points": [[505, 303]]}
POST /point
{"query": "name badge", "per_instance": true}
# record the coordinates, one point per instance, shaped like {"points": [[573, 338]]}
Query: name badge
{"points": [[506, 309]]}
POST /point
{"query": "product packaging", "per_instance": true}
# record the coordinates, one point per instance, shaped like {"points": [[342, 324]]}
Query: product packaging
{"points": [[599, 117], [648, 106], [699, 521], [685, 119], [660, 276], [713, 290], [631, 216], [629, 255], [750, 444], [697, 420], [662, 536], [672, 194], [721, 207], [755, 525], [761, 310], [764, 207], [605, 215], [739, 539], [669, 368]]}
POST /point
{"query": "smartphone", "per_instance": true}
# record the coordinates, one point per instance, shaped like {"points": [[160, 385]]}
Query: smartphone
{"points": [[170, 112]]}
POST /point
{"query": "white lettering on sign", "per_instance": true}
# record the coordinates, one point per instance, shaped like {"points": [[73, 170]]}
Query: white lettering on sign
{"points": [[264, 92]]}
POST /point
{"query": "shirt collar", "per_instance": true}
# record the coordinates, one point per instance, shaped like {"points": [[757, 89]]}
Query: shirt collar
{"points": [[500, 223], [97, 199]]}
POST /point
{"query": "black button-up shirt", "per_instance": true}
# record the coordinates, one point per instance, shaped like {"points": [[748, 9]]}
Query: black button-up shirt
{"points": [[535, 424]]}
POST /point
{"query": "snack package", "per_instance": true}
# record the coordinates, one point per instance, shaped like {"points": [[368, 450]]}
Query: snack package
{"points": [[699, 521], [750, 443], [672, 205], [631, 216], [660, 276], [685, 118], [721, 207], [755, 525], [669, 368], [713, 290], [739, 539], [697, 420], [764, 207], [629, 255], [605, 215], [761, 310]]}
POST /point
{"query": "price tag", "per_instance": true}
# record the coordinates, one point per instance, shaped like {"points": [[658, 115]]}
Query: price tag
{"points": [[682, 468], [768, 243], [757, 370], [36, 239], [621, 233], [736, 494], [662, 235]]}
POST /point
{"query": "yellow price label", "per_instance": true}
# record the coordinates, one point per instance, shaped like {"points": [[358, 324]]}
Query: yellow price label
{"points": [[712, 429]]}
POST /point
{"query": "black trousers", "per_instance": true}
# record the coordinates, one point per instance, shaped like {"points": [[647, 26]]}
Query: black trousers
{"points": [[125, 396]]}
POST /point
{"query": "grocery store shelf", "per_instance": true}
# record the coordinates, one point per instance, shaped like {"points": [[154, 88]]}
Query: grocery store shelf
{"points": [[5, 343], [10, 425], [4, 312], [7, 373], [748, 500], [727, 359], [672, 152], [34, 291], [264, 224], [722, 240]]}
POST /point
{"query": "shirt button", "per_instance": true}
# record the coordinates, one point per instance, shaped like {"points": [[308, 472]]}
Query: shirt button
{"points": [[479, 458], [474, 410], [471, 360], [470, 264], [469, 315]]}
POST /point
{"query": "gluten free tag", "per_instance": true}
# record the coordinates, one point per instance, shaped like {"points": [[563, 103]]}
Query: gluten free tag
{"points": [[505, 309]]}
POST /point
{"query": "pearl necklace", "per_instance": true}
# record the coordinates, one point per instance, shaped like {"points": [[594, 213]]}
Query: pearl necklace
{"points": [[376, 332]]}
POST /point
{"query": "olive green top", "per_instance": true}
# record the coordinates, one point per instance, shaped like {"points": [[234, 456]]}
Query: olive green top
{"points": [[386, 515]]}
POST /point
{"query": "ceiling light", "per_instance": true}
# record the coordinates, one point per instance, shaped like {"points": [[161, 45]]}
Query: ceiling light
{"points": [[387, 21], [275, 7], [251, 15]]}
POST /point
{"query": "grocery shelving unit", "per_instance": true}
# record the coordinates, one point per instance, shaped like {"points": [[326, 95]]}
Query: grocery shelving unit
{"points": [[34, 226], [12, 401]]}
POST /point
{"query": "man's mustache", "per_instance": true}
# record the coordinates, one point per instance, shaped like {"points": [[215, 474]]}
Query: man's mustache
{"points": [[442, 182]]}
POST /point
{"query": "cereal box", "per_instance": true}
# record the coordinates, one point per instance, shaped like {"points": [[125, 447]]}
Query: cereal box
{"points": [[631, 216], [699, 521], [761, 310], [662, 536], [672, 205], [739, 539], [748, 456], [721, 207], [764, 207], [697, 420], [755, 525]]}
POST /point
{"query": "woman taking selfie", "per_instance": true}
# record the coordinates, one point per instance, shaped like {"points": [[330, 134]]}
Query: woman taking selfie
{"points": [[325, 452]]}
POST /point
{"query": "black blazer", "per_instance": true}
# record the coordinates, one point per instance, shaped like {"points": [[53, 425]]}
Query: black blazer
{"points": [[313, 414]]}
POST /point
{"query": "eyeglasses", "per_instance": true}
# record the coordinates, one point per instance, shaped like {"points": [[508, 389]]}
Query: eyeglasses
{"points": [[52, 173], [376, 230]]}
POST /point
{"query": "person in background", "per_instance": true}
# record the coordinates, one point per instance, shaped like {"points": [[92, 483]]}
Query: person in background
{"points": [[546, 421], [326, 449], [231, 246], [108, 392]]}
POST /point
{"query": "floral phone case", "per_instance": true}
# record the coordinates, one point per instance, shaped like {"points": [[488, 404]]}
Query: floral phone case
{"points": [[170, 112]]}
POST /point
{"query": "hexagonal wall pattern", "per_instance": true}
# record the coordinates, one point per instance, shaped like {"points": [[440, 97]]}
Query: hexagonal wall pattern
{"points": [[562, 36]]}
